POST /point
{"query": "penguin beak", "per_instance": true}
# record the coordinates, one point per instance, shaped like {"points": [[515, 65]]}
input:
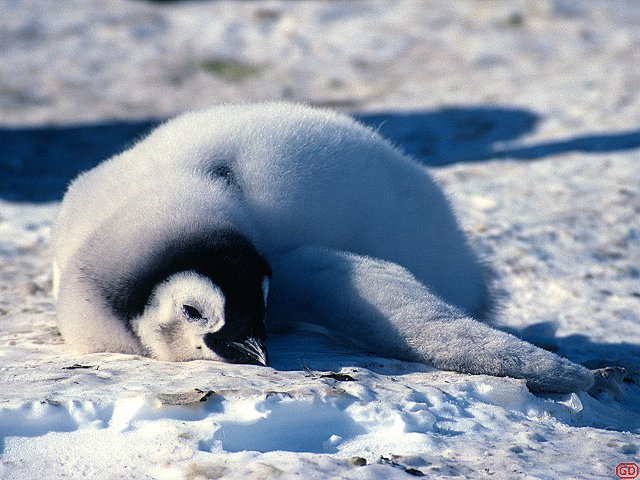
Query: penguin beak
{"points": [[253, 349]]}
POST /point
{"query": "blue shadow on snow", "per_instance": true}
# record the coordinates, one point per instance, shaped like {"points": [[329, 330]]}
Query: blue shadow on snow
{"points": [[37, 163]]}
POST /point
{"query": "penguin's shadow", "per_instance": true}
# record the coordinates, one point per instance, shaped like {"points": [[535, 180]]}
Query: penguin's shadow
{"points": [[580, 348], [37, 163], [475, 134]]}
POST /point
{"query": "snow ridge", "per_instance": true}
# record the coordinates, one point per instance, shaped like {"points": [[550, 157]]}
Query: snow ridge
{"points": [[351, 415]]}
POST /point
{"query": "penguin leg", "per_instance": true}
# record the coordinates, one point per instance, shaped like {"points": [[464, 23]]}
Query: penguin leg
{"points": [[381, 305]]}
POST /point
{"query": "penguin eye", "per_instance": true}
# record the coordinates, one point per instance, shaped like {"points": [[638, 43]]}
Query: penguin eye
{"points": [[192, 313]]}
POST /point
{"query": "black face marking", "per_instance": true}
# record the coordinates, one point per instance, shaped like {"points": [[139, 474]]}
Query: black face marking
{"points": [[228, 259], [192, 313]]}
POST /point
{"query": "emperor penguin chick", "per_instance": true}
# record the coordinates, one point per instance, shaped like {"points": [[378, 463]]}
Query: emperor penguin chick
{"points": [[227, 221]]}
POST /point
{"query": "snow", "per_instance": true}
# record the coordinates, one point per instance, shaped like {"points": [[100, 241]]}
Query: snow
{"points": [[530, 112]]}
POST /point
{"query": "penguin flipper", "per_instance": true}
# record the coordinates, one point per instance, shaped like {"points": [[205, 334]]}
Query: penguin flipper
{"points": [[381, 305]]}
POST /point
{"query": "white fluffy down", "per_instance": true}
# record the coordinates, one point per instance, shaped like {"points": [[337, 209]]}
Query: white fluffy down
{"points": [[164, 329], [358, 235]]}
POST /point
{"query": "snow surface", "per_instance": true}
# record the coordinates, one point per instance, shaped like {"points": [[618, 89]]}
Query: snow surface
{"points": [[531, 111]]}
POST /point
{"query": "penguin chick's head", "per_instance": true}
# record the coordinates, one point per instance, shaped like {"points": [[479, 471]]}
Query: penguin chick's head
{"points": [[186, 319]]}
